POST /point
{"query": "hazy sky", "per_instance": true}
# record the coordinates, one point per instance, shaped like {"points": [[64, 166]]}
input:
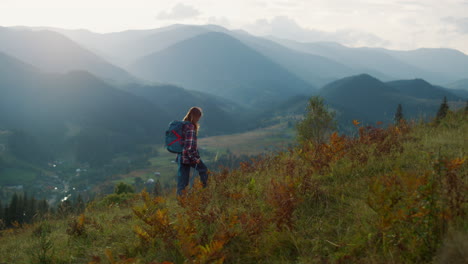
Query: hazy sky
{"points": [[396, 24]]}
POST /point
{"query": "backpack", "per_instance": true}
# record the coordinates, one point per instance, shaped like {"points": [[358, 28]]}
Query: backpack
{"points": [[175, 136]]}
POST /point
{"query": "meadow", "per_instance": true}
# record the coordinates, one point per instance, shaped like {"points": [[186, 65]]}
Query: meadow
{"points": [[392, 194]]}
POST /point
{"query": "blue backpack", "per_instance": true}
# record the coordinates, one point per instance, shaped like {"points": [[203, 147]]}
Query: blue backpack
{"points": [[175, 136]]}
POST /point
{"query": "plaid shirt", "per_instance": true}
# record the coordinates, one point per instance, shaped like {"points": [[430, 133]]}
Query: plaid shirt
{"points": [[190, 153]]}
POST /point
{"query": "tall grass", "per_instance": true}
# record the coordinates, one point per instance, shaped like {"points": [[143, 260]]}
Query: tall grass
{"points": [[388, 195]]}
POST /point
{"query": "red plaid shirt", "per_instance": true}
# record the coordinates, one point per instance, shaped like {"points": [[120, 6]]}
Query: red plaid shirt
{"points": [[190, 153]]}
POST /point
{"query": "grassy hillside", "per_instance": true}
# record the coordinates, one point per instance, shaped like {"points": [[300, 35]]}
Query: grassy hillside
{"points": [[393, 195]]}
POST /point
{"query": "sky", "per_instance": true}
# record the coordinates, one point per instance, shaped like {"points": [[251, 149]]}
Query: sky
{"points": [[393, 24]]}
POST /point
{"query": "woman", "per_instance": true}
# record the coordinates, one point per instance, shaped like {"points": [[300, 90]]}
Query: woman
{"points": [[190, 157]]}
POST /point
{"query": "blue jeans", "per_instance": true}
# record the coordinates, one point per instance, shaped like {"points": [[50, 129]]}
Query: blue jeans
{"points": [[183, 174]]}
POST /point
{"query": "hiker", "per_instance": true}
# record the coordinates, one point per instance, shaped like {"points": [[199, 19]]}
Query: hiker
{"points": [[190, 158]]}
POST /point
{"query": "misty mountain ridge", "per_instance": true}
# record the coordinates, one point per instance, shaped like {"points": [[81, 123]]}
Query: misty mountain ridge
{"points": [[385, 64], [459, 85], [53, 52], [70, 113], [342, 61], [213, 65], [231, 69], [47, 106]]}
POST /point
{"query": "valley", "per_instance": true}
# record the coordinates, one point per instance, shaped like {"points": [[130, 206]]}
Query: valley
{"points": [[95, 114]]}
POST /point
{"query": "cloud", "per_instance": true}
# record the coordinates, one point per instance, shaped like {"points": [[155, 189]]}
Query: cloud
{"points": [[285, 27], [460, 23], [413, 3], [179, 12], [221, 21]]}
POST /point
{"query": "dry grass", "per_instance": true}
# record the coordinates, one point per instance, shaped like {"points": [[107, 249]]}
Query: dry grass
{"points": [[251, 143]]}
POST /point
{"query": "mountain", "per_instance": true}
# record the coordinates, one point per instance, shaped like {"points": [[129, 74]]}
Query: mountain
{"points": [[366, 98], [75, 113], [318, 62], [220, 116], [385, 64], [123, 48], [459, 88], [222, 65], [365, 94], [53, 52], [459, 85], [452, 63], [317, 70], [421, 89], [126, 47]]}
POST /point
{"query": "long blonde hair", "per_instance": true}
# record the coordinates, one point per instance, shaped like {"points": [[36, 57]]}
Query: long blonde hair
{"points": [[193, 115]]}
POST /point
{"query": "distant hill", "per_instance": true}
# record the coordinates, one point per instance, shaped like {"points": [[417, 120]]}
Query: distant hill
{"points": [[421, 89], [317, 70], [220, 116], [318, 63], [452, 63], [366, 98], [75, 112], [459, 88], [386, 64], [460, 85], [53, 52], [366, 95], [126, 47], [222, 65]]}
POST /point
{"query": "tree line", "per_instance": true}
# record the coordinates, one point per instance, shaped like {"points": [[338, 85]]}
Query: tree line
{"points": [[23, 209]]}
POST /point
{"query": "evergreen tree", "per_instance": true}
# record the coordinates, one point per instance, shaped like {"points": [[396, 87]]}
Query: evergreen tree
{"points": [[318, 122], [466, 107], [43, 207], [20, 209], [399, 115], [443, 110], [2, 212], [122, 187], [65, 208], [80, 205], [11, 213], [25, 214], [30, 209]]}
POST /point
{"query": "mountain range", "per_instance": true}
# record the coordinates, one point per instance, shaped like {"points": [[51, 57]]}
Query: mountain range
{"points": [[220, 64], [60, 110], [53, 52], [318, 63], [439, 66], [72, 88]]}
